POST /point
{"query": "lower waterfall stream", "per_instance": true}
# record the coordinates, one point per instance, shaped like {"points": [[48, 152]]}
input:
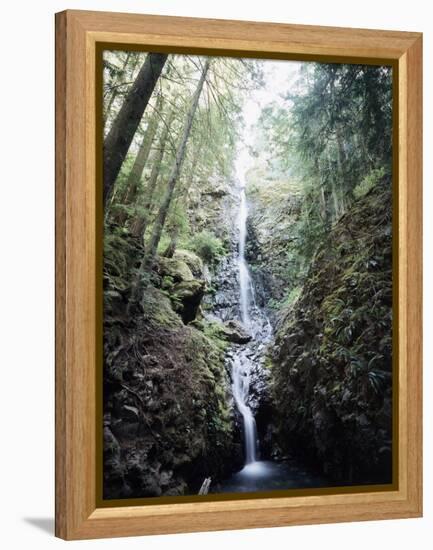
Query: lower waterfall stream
{"points": [[241, 363]]}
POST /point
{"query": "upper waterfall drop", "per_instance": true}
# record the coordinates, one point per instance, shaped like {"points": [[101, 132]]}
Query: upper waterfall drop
{"points": [[244, 275]]}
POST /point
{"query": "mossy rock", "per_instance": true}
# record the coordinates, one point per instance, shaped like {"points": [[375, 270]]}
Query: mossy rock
{"points": [[158, 310], [193, 261], [233, 331], [173, 378], [174, 268]]}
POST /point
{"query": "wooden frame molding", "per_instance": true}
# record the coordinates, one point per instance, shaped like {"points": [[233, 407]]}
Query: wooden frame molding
{"points": [[77, 36]]}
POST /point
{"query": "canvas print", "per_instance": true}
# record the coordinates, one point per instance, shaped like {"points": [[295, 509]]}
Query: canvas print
{"points": [[247, 275]]}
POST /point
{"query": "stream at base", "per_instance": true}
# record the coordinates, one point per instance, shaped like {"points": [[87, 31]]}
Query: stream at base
{"points": [[266, 475]]}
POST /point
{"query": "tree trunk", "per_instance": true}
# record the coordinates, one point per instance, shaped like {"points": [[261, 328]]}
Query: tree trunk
{"points": [[323, 205], [171, 248], [149, 257], [139, 225], [129, 194], [163, 210], [345, 188], [335, 213], [335, 201], [122, 131], [143, 154], [130, 74]]}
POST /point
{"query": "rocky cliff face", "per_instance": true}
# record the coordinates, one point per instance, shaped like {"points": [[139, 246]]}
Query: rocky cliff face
{"points": [[211, 207], [271, 250], [332, 359]]}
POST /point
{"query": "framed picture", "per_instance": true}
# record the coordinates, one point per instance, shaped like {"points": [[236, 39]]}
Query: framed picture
{"points": [[238, 274]]}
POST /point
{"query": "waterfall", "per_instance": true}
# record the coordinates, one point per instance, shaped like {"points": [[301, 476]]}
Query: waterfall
{"points": [[241, 363], [240, 394], [244, 275]]}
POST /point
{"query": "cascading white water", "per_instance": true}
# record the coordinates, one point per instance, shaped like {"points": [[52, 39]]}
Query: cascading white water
{"points": [[240, 394], [241, 363]]}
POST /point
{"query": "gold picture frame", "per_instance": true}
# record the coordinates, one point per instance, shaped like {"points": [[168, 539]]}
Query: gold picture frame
{"points": [[80, 38]]}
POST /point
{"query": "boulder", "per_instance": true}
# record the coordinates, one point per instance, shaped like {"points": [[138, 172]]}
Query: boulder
{"points": [[193, 261], [175, 268], [234, 331]]}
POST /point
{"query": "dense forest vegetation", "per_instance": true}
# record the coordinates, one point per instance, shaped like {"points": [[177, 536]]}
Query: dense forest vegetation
{"points": [[247, 274]]}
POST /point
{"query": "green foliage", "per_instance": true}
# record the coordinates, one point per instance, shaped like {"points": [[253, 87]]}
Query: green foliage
{"points": [[370, 181], [208, 246], [288, 300], [331, 140], [378, 381], [293, 296]]}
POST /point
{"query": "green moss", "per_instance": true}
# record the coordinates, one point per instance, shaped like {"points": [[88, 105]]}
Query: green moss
{"points": [[214, 332], [273, 250], [332, 359], [288, 300], [193, 261], [372, 179], [178, 385], [175, 268], [157, 309]]}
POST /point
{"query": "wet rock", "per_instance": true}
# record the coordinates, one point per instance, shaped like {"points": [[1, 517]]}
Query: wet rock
{"points": [[234, 331], [224, 300]]}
